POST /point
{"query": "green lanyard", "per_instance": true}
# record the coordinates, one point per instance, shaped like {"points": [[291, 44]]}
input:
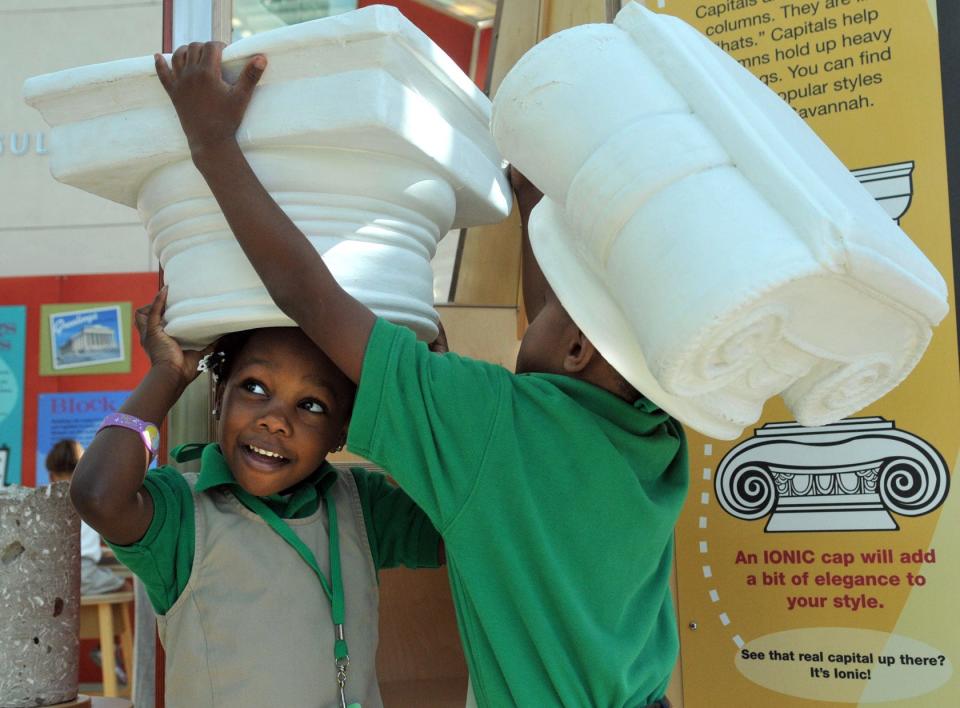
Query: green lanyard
{"points": [[333, 589]]}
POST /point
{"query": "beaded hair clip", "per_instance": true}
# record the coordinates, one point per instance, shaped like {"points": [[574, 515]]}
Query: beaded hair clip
{"points": [[212, 362]]}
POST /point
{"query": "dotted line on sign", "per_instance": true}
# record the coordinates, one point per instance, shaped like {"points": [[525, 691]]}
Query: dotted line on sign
{"points": [[703, 546]]}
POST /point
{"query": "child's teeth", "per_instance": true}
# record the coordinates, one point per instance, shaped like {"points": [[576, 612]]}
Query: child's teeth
{"points": [[267, 453]]}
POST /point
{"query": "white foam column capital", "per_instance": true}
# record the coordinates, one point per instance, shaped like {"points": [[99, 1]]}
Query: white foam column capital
{"points": [[368, 136], [701, 234]]}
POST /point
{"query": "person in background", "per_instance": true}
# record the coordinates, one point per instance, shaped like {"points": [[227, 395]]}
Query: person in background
{"points": [[94, 578]]}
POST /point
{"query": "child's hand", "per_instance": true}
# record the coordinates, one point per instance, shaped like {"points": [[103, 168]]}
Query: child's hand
{"points": [[534, 284], [163, 350], [527, 193], [439, 345], [210, 109]]}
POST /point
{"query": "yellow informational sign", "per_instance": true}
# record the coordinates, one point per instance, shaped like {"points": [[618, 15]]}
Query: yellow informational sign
{"points": [[822, 565]]}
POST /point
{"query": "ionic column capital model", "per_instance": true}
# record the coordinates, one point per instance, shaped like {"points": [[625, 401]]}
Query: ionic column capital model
{"points": [[370, 138], [704, 238]]}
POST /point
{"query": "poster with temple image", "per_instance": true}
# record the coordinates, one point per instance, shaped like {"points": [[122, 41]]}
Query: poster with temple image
{"points": [[819, 565], [85, 338]]}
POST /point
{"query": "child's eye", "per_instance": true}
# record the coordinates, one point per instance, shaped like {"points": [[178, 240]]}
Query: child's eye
{"points": [[254, 387], [313, 407]]}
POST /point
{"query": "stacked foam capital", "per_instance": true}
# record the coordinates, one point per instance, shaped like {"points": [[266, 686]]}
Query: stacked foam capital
{"points": [[709, 244], [364, 132]]}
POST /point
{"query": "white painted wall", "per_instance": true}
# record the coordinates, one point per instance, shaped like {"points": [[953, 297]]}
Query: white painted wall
{"points": [[47, 228]]}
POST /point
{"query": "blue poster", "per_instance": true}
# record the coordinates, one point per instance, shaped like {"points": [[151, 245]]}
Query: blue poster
{"points": [[13, 337], [71, 415]]}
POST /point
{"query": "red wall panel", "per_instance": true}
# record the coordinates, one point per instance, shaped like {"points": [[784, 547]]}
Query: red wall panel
{"points": [[136, 288], [451, 35]]}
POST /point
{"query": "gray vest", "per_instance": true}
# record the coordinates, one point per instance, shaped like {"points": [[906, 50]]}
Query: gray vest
{"points": [[253, 626]]}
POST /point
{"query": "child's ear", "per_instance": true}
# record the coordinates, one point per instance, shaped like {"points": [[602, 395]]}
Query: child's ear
{"points": [[580, 351]]}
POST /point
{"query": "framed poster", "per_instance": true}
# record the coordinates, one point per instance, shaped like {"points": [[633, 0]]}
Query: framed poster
{"points": [[85, 338]]}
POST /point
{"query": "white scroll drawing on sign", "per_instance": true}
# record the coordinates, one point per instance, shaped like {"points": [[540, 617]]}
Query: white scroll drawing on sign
{"points": [[848, 476]]}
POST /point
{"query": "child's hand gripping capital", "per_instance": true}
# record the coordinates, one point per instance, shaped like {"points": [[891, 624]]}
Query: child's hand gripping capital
{"points": [[210, 108], [163, 350], [528, 195]]}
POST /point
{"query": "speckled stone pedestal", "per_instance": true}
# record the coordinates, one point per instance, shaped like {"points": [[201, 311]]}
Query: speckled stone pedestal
{"points": [[39, 596]]}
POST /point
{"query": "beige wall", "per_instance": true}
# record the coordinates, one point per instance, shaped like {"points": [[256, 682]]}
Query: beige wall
{"points": [[46, 227]]}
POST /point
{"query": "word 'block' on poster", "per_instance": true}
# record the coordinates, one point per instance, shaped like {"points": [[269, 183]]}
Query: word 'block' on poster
{"points": [[71, 415]]}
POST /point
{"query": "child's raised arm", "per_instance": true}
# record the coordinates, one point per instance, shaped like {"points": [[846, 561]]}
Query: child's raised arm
{"points": [[107, 486], [210, 111]]}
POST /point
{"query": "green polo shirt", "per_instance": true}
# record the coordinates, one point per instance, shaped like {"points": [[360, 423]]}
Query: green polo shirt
{"points": [[398, 531], [556, 501]]}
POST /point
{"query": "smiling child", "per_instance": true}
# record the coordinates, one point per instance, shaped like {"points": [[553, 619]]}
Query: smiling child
{"points": [[262, 567]]}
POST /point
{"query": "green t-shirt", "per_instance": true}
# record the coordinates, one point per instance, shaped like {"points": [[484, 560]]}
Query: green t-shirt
{"points": [[398, 531], [556, 501]]}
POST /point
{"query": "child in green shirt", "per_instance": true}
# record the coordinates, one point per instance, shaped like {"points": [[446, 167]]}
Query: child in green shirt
{"points": [[556, 489], [263, 568]]}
